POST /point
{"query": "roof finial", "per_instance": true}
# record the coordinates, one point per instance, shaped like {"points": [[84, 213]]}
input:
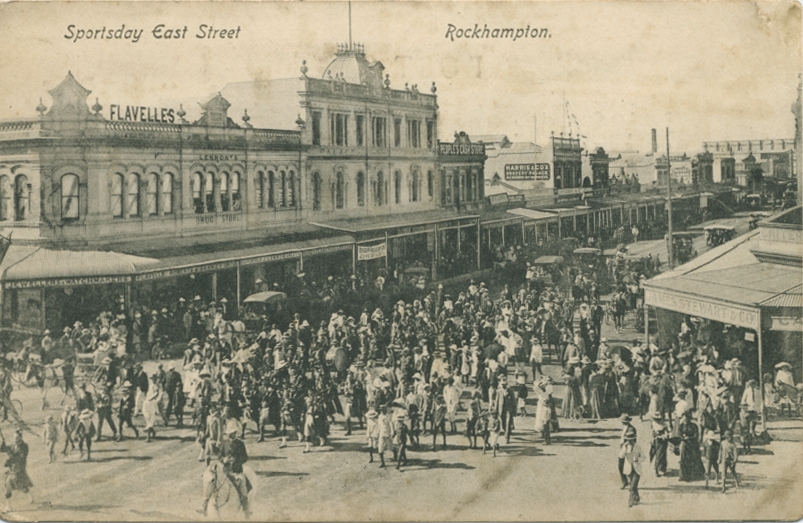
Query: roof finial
{"points": [[41, 108], [304, 68], [181, 113]]}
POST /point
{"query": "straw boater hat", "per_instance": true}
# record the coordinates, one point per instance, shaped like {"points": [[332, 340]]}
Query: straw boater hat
{"points": [[625, 418], [372, 414], [232, 427], [782, 365], [86, 414]]}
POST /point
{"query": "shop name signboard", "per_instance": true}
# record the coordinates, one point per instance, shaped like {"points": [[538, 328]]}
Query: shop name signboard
{"points": [[183, 271], [67, 282], [526, 171], [271, 257], [731, 314], [372, 252], [324, 250], [461, 149], [497, 199], [787, 323], [217, 157], [519, 171], [211, 219], [774, 234], [139, 113]]}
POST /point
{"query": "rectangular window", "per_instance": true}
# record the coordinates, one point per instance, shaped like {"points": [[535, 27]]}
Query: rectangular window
{"points": [[397, 132], [339, 124], [430, 134], [316, 128], [360, 121], [167, 194], [414, 133], [378, 127]]}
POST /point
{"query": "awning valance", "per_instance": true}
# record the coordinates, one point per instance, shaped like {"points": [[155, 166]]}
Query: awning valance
{"points": [[395, 221], [26, 267], [33, 267], [532, 214]]}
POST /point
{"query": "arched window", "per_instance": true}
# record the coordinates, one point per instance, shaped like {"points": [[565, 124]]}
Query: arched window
{"points": [[282, 189], [22, 197], [225, 200], [340, 191], [360, 188], [397, 186], [234, 191], [469, 186], [209, 192], [132, 195], [379, 193], [69, 197], [5, 198], [291, 189], [414, 188], [271, 189], [198, 193], [167, 193], [116, 203], [260, 195], [152, 201], [316, 191], [430, 184]]}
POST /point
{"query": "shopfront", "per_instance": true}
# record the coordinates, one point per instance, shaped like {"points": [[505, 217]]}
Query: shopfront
{"points": [[747, 293]]}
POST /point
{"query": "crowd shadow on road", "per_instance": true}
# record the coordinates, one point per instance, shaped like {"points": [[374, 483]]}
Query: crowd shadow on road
{"points": [[279, 474], [78, 508], [428, 464], [577, 442], [265, 458], [111, 458]]}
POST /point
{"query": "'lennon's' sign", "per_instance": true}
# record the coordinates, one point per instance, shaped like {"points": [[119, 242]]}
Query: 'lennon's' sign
{"points": [[139, 113]]}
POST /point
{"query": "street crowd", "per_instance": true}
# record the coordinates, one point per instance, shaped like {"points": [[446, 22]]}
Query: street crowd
{"points": [[412, 375]]}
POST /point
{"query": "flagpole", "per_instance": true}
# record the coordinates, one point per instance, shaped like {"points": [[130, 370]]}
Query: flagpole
{"points": [[670, 245], [349, 25]]}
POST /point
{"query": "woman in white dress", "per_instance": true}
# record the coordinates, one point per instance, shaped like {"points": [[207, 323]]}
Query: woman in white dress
{"points": [[150, 407]]}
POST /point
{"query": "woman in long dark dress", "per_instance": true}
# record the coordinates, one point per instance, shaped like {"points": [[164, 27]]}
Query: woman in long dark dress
{"points": [[691, 462], [660, 442], [573, 402]]}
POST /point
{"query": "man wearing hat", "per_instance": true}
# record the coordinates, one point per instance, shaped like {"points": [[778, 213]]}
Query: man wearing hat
{"points": [[103, 402], [634, 456], [232, 455], [17, 475], [125, 410], [628, 433]]}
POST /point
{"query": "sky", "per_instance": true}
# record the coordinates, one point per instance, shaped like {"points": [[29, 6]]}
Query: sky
{"points": [[609, 71]]}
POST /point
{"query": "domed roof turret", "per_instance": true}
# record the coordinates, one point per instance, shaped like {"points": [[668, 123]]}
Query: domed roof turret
{"points": [[351, 66]]}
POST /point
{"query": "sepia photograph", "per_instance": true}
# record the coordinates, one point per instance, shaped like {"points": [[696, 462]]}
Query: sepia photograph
{"points": [[401, 261]]}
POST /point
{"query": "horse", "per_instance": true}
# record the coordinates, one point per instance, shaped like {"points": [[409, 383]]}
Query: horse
{"points": [[220, 492]]}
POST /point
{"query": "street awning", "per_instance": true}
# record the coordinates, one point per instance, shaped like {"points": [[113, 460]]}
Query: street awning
{"points": [[214, 261], [381, 223], [726, 284], [533, 214], [27, 267]]}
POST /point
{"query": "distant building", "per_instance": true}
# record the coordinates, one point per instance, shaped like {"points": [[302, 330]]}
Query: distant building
{"points": [[775, 156], [625, 165], [516, 167]]}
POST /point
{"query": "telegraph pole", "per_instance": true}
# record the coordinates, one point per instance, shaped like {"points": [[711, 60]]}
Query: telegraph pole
{"points": [[671, 244]]}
